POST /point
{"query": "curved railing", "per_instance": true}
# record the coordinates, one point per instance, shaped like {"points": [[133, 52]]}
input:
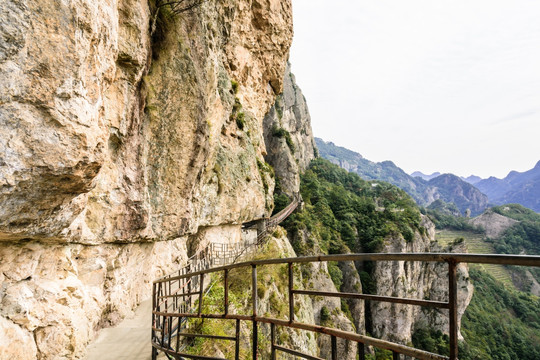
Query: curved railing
{"points": [[177, 293], [268, 224], [172, 295]]}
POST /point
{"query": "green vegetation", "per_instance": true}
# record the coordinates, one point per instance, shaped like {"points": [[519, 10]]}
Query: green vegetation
{"points": [[500, 323], [281, 200], [380, 354], [476, 244], [343, 212], [447, 216], [240, 121], [236, 114], [234, 87], [431, 340], [521, 237], [282, 133]]}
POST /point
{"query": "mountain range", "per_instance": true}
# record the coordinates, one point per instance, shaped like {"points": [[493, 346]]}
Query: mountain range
{"points": [[446, 187], [473, 179], [470, 192], [517, 187]]}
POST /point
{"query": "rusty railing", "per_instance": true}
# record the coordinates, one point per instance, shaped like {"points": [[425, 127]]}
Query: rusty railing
{"points": [[176, 298]]}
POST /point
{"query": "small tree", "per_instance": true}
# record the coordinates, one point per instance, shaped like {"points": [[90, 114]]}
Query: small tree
{"points": [[173, 7], [177, 7]]}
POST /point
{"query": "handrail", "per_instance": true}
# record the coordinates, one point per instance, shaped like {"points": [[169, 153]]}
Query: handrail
{"points": [[166, 317], [520, 260], [200, 261]]}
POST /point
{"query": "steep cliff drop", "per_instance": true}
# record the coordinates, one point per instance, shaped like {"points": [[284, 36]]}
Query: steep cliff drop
{"points": [[122, 150]]}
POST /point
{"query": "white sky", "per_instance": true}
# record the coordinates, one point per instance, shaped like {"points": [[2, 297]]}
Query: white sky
{"points": [[433, 85]]}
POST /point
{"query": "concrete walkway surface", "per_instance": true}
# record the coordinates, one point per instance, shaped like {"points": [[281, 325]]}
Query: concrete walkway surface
{"points": [[128, 340]]}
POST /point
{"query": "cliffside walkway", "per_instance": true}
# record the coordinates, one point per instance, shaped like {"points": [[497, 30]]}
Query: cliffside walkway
{"points": [[180, 296], [130, 340]]}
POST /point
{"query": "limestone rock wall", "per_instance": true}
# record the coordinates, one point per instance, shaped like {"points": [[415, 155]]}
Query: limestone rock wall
{"points": [[288, 135], [101, 143], [54, 297], [397, 322], [116, 145]]}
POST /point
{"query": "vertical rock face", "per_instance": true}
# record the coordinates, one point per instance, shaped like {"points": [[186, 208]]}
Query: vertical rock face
{"points": [[288, 135], [94, 152], [117, 144], [397, 322]]}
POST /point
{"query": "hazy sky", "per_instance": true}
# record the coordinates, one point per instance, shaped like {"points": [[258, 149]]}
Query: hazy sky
{"points": [[433, 85]]}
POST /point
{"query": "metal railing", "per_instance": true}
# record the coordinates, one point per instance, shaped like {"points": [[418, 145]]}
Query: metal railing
{"points": [[171, 296], [213, 254]]}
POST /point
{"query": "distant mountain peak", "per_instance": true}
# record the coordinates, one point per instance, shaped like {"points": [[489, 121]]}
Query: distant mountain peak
{"points": [[472, 179], [517, 187], [425, 176]]}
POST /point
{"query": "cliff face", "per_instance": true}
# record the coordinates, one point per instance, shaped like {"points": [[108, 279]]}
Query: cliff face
{"points": [[117, 145], [397, 322], [288, 135]]}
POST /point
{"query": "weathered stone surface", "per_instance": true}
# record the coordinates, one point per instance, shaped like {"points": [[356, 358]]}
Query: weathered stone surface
{"points": [[94, 153], [494, 224], [60, 294], [114, 152], [289, 115], [15, 343], [397, 322]]}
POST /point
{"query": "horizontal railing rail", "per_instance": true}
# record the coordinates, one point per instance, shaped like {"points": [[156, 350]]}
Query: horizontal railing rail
{"points": [[176, 290], [163, 315]]}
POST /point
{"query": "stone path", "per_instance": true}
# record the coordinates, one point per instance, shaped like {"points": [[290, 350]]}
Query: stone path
{"points": [[128, 340]]}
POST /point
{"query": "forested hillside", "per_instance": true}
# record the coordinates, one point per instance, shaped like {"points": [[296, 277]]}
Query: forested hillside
{"points": [[445, 187], [347, 212]]}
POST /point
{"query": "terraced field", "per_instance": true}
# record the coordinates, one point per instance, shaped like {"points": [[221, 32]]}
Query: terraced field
{"points": [[476, 244]]}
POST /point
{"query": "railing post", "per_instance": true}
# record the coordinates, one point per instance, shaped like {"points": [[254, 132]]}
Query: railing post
{"points": [[190, 280], [178, 334], [201, 288], [237, 341], [334, 347], [361, 351], [291, 294], [226, 286], [154, 295], [453, 316], [254, 298], [273, 341], [254, 288], [395, 355], [255, 340]]}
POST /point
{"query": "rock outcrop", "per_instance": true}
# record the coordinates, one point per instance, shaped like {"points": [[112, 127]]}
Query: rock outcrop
{"points": [[493, 223], [397, 322], [118, 142], [288, 136]]}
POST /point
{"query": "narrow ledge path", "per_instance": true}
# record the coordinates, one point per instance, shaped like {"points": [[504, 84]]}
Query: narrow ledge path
{"points": [[128, 340]]}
